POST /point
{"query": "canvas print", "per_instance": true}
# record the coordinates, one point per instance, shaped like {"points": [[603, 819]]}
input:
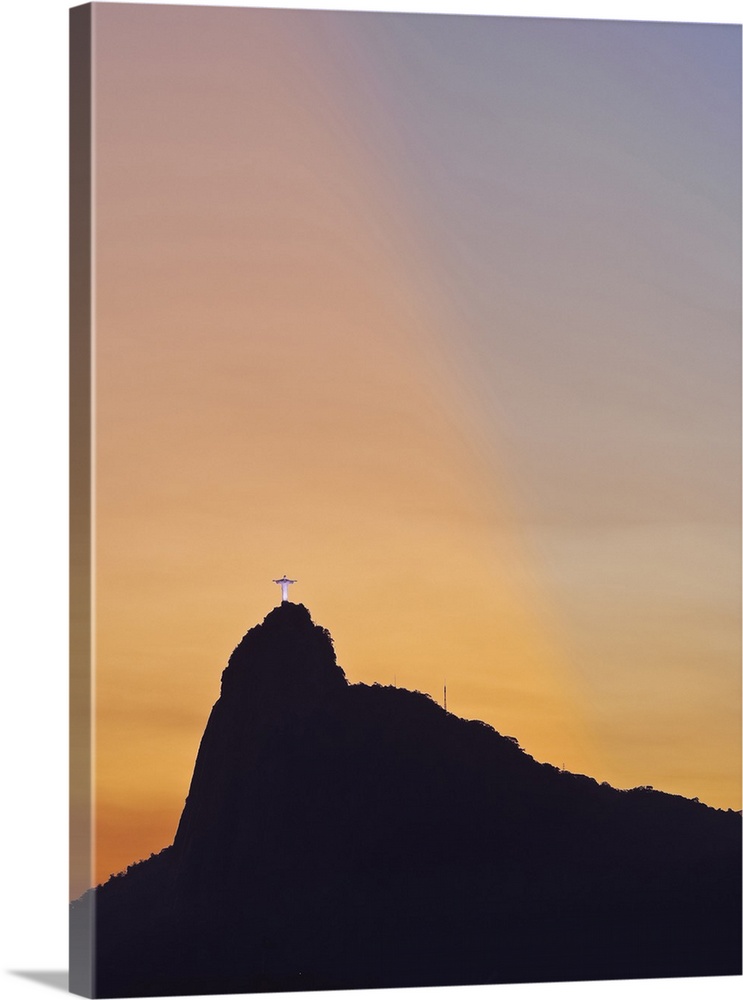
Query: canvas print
{"points": [[405, 500]]}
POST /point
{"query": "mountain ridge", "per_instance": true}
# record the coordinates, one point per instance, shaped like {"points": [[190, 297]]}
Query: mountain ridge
{"points": [[342, 835]]}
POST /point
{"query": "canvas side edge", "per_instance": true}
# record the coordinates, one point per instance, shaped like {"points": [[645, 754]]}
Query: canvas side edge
{"points": [[82, 936]]}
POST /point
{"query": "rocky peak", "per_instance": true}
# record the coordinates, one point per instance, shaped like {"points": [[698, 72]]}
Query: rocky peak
{"points": [[285, 662]]}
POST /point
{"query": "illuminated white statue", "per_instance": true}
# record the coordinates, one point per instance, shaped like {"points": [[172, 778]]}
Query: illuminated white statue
{"points": [[285, 581]]}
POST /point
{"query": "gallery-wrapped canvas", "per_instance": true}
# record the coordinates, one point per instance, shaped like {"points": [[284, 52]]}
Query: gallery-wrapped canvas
{"points": [[405, 500]]}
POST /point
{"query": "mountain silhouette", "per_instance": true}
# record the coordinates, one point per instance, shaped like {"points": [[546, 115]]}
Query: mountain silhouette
{"points": [[355, 836]]}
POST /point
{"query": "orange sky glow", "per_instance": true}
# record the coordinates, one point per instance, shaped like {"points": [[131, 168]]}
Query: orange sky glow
{"points": [[290, 377]]}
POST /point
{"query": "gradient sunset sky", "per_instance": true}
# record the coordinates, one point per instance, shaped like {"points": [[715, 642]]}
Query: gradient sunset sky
{"points": [[440, 316]]}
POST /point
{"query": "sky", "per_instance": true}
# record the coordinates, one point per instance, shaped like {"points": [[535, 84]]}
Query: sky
{"points": [[440, 316]]}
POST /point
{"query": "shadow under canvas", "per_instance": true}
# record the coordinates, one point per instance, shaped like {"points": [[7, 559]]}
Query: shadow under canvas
{"points": [[56, 979]]}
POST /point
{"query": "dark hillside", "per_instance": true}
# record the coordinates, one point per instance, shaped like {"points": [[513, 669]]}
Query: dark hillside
{"points": [[346, 836]]}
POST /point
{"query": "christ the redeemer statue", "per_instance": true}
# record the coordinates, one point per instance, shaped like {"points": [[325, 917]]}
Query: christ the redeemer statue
{"points": [[284, 581]]}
